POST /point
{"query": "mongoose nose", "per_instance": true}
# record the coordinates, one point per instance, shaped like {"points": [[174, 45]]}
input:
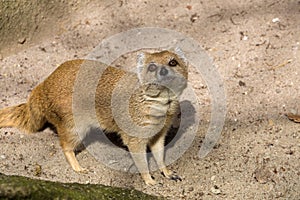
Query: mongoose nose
{"points": [[163, 71]]}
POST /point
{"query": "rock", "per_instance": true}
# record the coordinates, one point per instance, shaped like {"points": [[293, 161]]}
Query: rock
{"points": [[215, 190], [17, 187], [212, 178], [191, 189], [263, 174], [22, 40], [194, 17], [241, 83], [37, 170], [274, 20]]}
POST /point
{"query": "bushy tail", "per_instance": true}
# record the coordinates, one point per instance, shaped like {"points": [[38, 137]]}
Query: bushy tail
{"points": [[22, 117]]}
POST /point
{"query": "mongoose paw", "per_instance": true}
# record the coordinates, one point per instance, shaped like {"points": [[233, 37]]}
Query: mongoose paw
{"points": [[82, 170], [170, 175], [150, 182], [175, 177]]}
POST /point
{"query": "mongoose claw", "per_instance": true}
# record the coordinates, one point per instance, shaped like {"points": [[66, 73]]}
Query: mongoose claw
{"points": [[171, 175], [175, 178]]}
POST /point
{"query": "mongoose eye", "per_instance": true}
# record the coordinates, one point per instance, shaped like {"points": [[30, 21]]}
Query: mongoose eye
{"points": [[173, 63], [152, 67]]}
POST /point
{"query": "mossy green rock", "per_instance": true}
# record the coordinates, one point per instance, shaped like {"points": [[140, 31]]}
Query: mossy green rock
{"points": [[17, 187]]}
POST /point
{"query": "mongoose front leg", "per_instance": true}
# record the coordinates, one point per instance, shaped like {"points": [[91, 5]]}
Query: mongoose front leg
{"points": [[139, 156], [157, 149]]}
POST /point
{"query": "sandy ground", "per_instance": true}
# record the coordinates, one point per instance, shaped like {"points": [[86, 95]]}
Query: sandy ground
{"points": [[254, 44]]}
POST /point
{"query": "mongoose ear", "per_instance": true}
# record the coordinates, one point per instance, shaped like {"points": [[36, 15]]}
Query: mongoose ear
{"points": [[140, 65], [180, 54]]}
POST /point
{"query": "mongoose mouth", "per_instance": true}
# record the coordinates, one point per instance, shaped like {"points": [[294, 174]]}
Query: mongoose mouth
{"points": [[174, 84], [167, 80], [156, 85]]}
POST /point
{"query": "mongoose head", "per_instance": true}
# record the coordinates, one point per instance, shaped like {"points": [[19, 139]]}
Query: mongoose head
{"points": [[164, 69]]}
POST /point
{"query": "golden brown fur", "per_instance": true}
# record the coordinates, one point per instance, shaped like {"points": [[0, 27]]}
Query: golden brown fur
{"points": [[150, 105]]}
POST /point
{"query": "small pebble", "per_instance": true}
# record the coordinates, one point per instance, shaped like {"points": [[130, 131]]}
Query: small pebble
{"points": [[271, 122], [194, 17], [275, 20], [37, 170], [3, 157], [22, 40], [241, 83], [213, 178], [215, 190], [245, 37]]}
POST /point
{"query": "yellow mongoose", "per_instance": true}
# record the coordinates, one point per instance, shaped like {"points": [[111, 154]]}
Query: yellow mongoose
{"points": [[153, 104]]}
